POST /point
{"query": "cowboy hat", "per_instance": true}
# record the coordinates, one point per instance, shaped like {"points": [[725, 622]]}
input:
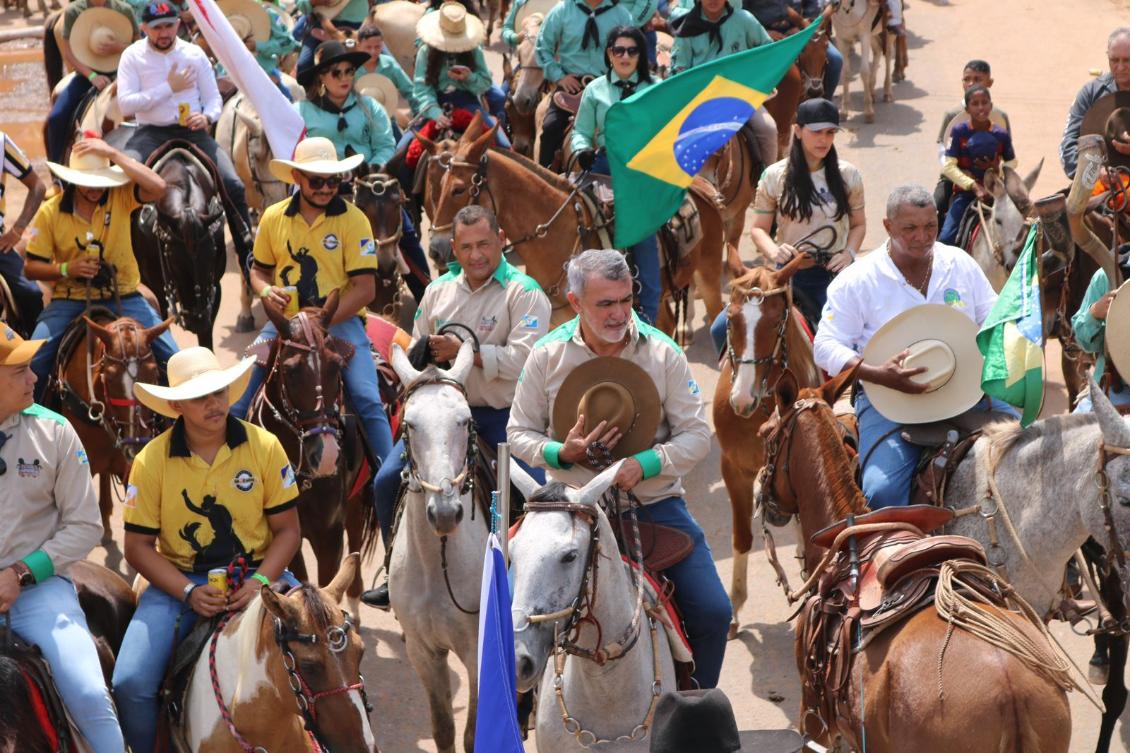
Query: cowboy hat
{"points": [[331, 10], [315, 155], [703, 721], [1117, 318], [14, 350], [451, 29], [330, 53], [89, 171], [530, 8], [614, 390], [93, 27], [1103, 117], [250, 15], [194, 372], [942, 339], [379, 87]]}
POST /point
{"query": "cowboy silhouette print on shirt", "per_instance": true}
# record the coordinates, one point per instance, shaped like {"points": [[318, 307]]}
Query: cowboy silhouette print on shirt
{"points": [[307, 282], [225, 545]]}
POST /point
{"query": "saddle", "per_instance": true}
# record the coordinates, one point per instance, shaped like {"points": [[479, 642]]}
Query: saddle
{"points": [[177, 676], [48, 706], [571, 102], [947, 442], [969, 227], [58, 391]]}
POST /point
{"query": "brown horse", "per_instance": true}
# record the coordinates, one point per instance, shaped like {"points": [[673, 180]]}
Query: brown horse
{"points": [[804, 80], [527, 86], [542, 216], [912, 681], [300, 402], [734, 171], [379, 197], [764, 337]]}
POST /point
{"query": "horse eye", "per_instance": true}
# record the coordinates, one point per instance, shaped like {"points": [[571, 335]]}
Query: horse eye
{"points": [[457, 191], [1124, 501], [570, 556]]}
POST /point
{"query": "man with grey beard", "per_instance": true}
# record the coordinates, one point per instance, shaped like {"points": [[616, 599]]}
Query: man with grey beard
{"points": [[606, 329]]}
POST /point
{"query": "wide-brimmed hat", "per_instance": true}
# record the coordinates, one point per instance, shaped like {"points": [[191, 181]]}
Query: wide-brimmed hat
{"points": [[614, 390], [530, 8], [94, 26], [327, 55], [942, 339], [451, 29], [1118, 321], [247, 16], [315, 155], [89, 171], [702, 721], [194, 372], [14, 350], [379, 87], [1102, 116], [331, 10]]}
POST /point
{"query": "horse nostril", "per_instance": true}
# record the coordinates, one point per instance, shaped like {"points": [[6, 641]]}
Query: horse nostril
{"points": [[459, 515], [431, 516], [525, 666]]}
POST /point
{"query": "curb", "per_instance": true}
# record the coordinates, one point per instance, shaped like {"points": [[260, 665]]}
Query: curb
{"points": [[27, 32]]}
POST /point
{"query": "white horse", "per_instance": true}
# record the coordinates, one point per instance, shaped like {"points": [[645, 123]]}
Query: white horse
{"points": [[855, 21], [435, 574], [997, 247], [566, 563]]}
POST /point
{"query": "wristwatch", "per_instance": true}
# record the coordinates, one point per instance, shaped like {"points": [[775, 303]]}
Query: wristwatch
{"points": [[24, 575]]}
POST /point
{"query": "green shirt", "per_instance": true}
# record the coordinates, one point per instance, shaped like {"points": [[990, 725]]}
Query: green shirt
{"points": [[353, 13], [367, 127], [509, 33], [599, 95], [560, 49], [75, 7], [1090, 332], [425, 97], [740, 32], [390, 69], [278, 45]]}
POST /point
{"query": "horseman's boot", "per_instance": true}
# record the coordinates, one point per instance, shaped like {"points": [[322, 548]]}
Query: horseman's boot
{"points": [[1052, 211], [377, 597]]}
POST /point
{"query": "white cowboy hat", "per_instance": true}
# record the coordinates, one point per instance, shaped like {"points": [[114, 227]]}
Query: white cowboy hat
{"points": [[451, 29], [247, 17], [94, 26], [530, 8], [1117, 319], [331, 10], [315, 155], [942, 339], [89, 171], [194, 372], [379, 87]]}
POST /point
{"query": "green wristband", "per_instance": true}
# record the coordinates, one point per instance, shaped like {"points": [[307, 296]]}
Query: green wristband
{"points": [[93, 75], [262, 579], [63, 269]]}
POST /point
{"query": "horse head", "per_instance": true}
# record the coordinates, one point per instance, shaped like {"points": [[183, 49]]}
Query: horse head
{"points": [[259, 154], [318, 648], [811, 63], [438, 435], [379, 196], [305, 385], [464, 175], [123, 356], [552, 554], [1109, 521], [1007, 228], [529, 78]]}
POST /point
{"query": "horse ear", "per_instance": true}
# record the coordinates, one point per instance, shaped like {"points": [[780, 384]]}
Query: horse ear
{"points": [[1115, 431], [474, 128], [402, 366], [993, 183], [156, 331], [483, 142], [785, 273], [463, 363], [276, 317], [99, 331], [1030, 178], [590, 494], [507, 68], [524, 481], [276, 605], [345, 575], [428, 143], [835, 386], [329, 308], [787, 390]]}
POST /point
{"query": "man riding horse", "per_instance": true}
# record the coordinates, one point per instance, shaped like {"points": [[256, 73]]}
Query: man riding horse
{"points": [[51, 521], [1117, 80], [651, 413]]}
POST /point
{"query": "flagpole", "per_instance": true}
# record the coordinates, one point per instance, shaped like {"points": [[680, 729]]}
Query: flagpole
{"points": [[504, 500]]}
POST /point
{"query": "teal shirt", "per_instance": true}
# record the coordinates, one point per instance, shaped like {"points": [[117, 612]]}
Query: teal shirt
{"points": [[740, 32], [1090, 332], [559, 50], [599, 95], [390, 69], [277, 46], [368, 129], [425, 97], [353, 13], [509, 33], [641, 10]]}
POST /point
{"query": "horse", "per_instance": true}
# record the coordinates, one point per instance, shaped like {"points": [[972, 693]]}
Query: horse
{"points": [[861, 21], [380, 198], [1009, 707], [734, 171], [280, 650], [1004, 227], [527, 86], [764, 337], [572, 599], [803, 81], [300, 402], [436, 565]]}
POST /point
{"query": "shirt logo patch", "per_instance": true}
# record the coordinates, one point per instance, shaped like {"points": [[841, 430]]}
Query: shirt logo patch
{"points": [[28, 469], [80, 455], [368, 248], [692, 387], [529, 321], [487, 324], [243, 481], [330, 242], [130, 501], [287, 474], [953, 298]]}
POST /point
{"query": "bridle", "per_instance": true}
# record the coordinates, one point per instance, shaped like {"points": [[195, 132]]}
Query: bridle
{"points": [[378, 185], [204, 297], [779, 356]]}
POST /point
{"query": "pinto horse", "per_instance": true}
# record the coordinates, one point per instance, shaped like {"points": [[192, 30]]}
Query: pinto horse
{"points": [[764, 338]]}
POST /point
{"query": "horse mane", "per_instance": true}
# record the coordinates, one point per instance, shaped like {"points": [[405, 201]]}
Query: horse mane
{"points": [[557, 181], [1005, 435], [320, 611], [554, 491], [837, 482], [20, 728]]}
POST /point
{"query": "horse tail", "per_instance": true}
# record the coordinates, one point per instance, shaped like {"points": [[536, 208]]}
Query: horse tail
{"points": [[52, 55], [370, 524], [21, 724]]}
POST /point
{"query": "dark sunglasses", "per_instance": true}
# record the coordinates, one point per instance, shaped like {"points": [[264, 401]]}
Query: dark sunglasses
{"points": [[622, 51], [317, 181], [3, 465], [339, 73]]}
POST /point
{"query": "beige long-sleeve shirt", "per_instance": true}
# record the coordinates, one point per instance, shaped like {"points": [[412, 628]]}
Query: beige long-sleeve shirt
{"points": [[51, 517], [508, 313], [681, 441]]}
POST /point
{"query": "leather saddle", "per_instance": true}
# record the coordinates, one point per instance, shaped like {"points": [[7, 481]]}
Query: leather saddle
{"points": [[42, 694], [59, 392], [570, 102], [947, 443]]}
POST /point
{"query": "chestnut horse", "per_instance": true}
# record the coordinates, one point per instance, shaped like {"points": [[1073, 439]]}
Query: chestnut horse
{"points": [[379, 197], [803, 81], [764, 337], [901, 677]]}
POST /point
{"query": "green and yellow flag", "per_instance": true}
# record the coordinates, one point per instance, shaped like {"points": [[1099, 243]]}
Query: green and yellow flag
{"points": [[1012, 338], [658, 139]]}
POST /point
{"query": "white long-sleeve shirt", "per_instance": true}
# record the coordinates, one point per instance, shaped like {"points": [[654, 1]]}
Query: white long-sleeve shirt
{"points": [[872, 291], [143, 87]]}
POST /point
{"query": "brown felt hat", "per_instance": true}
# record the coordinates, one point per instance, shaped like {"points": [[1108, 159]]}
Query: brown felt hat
{"points": [[1104, 114], [614, 390]]}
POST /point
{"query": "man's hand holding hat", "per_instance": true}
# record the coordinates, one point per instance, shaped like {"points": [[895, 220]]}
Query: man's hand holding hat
{"points": [[894, 374], [575, 449]]}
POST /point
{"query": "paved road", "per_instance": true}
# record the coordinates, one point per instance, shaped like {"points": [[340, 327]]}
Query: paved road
{"points": [[1041, 53]]}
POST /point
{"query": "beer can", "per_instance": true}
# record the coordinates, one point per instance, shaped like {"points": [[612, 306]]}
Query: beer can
{"points": [[292, 302], [183, 111], [218, 579]]}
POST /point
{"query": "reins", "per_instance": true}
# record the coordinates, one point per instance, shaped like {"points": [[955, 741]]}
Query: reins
{"points": [[779, 356]]}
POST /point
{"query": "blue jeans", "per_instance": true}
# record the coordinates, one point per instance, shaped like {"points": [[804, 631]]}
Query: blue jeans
{"points": [[49, 616], [699, 592], [496, 101], [360, 379], [718, 330], [1118, 397], [958, 204], [889, 461], [810, 288], [419, 276], [833, 69], [28, 296], [158, 626], [645, 254], [490, 423], [61, 119], [58, 315]]}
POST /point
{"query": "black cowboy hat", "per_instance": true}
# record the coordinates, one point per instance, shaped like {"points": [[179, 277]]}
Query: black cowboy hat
{"points": [[702, 721], [1099, 119], [328, 54]]}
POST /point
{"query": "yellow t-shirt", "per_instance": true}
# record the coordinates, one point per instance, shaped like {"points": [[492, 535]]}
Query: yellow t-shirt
{"points": [[315, 258], [59, 235], [206, 515]]}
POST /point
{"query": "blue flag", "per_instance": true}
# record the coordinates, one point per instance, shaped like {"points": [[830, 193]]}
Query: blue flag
{"points": [[496, 724]]}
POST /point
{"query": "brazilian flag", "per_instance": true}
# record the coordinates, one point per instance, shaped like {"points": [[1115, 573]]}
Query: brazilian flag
{"points": [[658, 139]]}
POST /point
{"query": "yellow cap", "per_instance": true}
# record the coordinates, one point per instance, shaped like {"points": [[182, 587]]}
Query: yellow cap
{"points": [[14, 350]]}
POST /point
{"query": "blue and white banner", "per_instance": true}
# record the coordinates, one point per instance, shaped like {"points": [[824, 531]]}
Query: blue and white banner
{"points": [[496, 725]]}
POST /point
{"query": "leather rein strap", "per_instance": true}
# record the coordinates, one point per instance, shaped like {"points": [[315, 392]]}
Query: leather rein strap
{"points": [[780, 353]]}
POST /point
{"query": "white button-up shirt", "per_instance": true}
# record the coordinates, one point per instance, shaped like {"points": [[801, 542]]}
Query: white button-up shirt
{"points": [[872, 291], [143, 87]]}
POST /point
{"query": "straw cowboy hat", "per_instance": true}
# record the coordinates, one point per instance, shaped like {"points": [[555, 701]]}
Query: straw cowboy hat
{"points": [[93, 27], [942, 339], [193, 373], [530, 8], [614, 390], [14, 350], [1109, 116], [327, 55], [89, 171], [315, 155], [247, 17], [379, 87], [451, 29], [702, 721], [1117, 319], [331, 10]]}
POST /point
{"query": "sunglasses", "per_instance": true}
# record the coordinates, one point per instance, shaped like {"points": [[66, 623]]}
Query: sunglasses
{"points": [[3, 439], [317, 182], [340, 73], [622, 51]]}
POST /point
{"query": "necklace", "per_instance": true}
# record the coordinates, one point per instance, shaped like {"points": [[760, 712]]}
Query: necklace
{"points": [[925, 284]]}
